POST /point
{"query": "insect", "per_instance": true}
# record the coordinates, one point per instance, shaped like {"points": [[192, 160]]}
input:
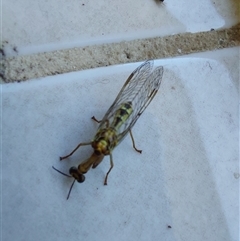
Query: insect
{"points": [[134, 97]]}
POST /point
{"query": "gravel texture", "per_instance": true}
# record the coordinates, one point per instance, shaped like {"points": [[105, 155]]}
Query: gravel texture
{"points": [[27, 67]]}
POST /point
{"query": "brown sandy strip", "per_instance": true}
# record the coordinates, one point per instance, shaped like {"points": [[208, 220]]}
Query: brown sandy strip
{"points": [[23, 68]]}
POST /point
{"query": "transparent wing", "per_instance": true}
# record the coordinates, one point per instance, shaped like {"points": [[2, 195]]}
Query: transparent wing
{"points": [[145, 97], [139, 89]]}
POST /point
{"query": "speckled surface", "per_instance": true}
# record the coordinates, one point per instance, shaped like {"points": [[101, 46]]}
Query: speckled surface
{"points": [[44, 64], [42, 39]]}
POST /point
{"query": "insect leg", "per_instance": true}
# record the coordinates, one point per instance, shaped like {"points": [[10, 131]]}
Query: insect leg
{"points": [[99, 121], [111, 167], [81, 144], [133, 142]]}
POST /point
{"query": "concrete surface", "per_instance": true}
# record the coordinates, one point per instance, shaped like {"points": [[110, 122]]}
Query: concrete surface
{"points": [[57, 62], [39, 26], [184, 186], [43, 38]]}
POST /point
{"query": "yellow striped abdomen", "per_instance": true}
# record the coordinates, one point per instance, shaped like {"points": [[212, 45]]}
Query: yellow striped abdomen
{"points": [[121, 115]]}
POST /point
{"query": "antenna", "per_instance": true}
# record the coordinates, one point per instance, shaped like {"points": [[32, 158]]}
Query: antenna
{"points": [[66, 176]]}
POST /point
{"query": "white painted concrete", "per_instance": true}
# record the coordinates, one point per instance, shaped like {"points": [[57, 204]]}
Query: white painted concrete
{"points": [[187, 176], [38, 26]]}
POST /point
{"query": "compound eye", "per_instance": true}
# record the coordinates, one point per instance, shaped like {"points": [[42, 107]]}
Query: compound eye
{"points": [[73, 171], [81, 178]]}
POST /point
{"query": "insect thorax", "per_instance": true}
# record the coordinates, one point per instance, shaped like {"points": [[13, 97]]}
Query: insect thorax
{"points": [[104, 141]]}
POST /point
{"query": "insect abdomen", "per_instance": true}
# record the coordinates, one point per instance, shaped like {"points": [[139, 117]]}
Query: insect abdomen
{"points": [[122, 114]]}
